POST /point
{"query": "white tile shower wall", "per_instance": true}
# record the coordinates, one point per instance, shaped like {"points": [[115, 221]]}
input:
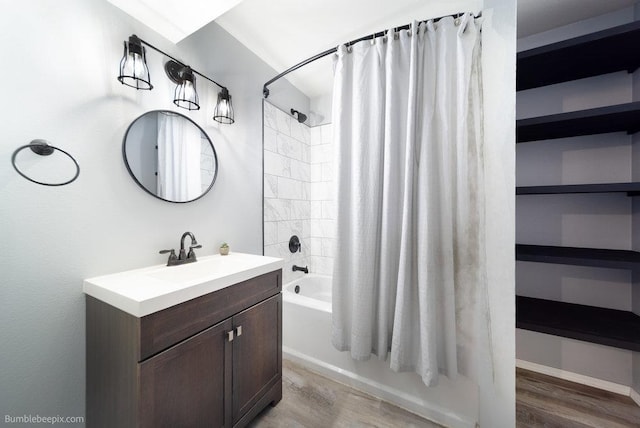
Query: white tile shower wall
{"points": [[286, 189], [322, 204], [298, 172]]}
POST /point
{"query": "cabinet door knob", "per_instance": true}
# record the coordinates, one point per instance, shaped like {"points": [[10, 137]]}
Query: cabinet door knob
{"points": [[230, 335], [239, 330]]}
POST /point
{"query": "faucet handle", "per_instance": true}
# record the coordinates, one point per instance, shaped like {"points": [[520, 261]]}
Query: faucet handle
{"points": [[172, 256], [192, 254]]}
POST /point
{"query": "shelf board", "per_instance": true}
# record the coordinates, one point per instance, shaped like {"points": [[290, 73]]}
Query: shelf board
{"points": [[607, 51], [616, 118], [594, 257], [631, 189], [620, 329]]}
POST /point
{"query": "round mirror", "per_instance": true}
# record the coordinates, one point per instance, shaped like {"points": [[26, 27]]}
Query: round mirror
{"points": [[170, 156]]}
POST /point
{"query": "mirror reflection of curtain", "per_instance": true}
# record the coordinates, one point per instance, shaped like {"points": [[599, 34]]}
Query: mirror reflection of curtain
{"points": [[178, 159]]}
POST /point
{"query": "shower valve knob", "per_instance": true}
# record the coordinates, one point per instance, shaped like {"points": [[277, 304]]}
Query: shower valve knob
{"points": [[294, 244]]}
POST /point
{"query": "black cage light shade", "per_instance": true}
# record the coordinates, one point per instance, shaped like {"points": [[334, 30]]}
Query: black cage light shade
{"points": [[223, 112], [135, 73], [133, 66], [185, 95]]}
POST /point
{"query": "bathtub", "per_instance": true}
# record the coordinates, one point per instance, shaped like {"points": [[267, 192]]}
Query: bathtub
{"points": [[311, 291], [306, 339]]}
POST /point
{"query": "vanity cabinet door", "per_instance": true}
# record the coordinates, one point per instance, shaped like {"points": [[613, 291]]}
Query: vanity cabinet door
{"points": [[257, 353], [189, 384]]}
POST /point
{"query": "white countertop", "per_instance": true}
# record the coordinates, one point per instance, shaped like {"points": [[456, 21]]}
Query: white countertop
{"points": [[141, 292]]}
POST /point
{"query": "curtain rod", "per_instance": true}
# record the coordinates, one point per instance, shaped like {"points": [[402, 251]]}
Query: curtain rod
{"points": [[265, 89]]}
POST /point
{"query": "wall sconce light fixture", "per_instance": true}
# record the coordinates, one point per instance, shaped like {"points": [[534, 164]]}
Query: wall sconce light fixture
{"points": [[133, 66], [223, 112], [185, 94], [135, 73]]}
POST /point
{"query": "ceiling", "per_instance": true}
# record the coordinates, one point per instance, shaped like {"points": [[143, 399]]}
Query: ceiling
{"points": [[536, 16], [174, 20], [285, 32]]}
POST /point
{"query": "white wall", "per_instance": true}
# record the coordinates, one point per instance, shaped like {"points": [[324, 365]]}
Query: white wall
{"points": [[320, 109], [61, 85], [598, 221], [497, 378]]}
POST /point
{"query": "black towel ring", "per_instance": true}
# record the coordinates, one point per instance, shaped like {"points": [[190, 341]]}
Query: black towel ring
{"points": [[43, 148]]}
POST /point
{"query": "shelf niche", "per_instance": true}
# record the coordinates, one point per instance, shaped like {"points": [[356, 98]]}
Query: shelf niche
{"points": [[631, 189], [594, 54], [576, 256], [620, 329], [601, 120], [609, 51]]}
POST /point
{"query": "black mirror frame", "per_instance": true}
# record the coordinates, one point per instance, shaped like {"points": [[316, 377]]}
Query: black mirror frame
{"points": [[126, 162]]}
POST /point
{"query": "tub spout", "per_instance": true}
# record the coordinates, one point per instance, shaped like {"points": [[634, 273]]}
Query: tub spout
{"points": [[300, 268]]}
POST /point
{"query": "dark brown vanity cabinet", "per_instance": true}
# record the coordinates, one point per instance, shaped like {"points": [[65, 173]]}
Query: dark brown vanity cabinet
{"points": [[224, 370], [257, 355], [186, 385]]}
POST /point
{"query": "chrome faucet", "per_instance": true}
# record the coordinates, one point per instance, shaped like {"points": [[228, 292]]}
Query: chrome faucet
{"points": [[183, 257]]}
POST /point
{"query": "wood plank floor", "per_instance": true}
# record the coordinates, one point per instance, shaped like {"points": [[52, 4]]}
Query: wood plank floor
{"points": [[549, 402], [310, 400]]}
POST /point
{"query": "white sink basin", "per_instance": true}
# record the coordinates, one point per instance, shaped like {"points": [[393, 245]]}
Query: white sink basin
{"points": [[204, 268], [144, 291]]}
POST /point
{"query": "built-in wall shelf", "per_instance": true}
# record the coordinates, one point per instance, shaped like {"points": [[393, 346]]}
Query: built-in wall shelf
{"points": [[631, 189], [616, 118], [603, 52], [607, 51], [620, 329], [594, 257]]}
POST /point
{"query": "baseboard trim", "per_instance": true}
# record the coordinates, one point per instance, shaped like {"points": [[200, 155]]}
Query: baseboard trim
{"points": [[635, 396], [578, 378]]}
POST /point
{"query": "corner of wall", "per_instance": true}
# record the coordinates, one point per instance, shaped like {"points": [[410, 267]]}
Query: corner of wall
{"points": [[320, 109], [635, 147], [497, 387]]}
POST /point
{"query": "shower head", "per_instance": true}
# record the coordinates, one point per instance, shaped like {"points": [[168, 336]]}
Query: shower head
{"points": [[300, 116]]}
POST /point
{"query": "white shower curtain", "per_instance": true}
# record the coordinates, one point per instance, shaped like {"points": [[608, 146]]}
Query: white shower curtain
{"points": [[409, 282], [179, 150]]}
